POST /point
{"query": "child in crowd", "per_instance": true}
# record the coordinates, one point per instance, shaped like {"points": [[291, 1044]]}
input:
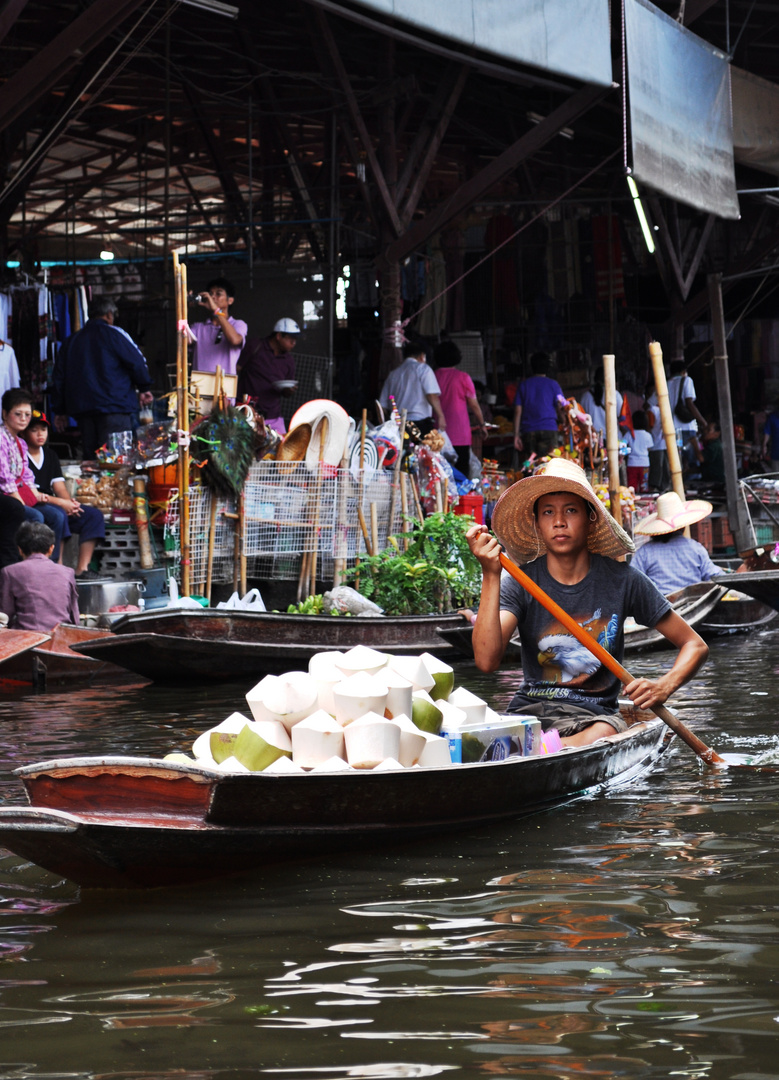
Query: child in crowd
{"points": [[37, 593], [640, 441], [87, 521]]}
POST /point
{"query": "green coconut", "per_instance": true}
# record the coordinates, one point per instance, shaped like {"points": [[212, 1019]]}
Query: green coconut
{"points": [[442, 675], [179, 759], [255, 752], [425, 713], [221, 744]]}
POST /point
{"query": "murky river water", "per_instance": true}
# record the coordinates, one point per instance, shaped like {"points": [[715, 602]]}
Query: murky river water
{"points": [[634, 934]]}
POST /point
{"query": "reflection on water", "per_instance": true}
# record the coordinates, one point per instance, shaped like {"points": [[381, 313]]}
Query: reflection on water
{"points": [[630, 934]]}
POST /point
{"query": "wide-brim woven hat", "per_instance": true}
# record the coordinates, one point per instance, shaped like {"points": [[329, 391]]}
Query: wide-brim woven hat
{"points": [[514, 523], [673, 514], [294, 445]]}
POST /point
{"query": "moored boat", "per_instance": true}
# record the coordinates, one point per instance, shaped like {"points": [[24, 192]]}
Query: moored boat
{"points": [[216, 644], [52, 661], [137, 822]]}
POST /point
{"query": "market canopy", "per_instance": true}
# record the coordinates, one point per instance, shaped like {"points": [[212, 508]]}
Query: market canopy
{"points": [[567, 37], [755, 121], [680, 119]]}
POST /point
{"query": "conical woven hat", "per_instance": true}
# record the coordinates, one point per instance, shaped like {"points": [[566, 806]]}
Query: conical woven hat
{"points": [[294, 444], [673, 514], [514, 523]]}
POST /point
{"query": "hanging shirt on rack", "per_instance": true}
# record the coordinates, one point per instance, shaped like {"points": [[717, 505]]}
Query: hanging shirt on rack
{"points": [[9, 368]]}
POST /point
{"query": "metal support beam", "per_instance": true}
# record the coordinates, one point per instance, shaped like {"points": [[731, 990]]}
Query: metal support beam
{"points": [[529, 144], [43, 70], [358, 121], [738, 516]]}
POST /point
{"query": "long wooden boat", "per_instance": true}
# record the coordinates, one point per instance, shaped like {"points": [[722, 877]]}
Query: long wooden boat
{"points": [[122, 822], [208, 645], [695, 604], [737, 613], [762, 585], [52, 663]]}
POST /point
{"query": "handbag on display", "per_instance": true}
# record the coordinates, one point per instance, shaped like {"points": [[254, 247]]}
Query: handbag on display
{"points": [[26, 493]]}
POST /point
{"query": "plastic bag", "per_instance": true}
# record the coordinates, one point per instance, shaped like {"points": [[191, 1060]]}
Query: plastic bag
{"points": [[253, 601]]}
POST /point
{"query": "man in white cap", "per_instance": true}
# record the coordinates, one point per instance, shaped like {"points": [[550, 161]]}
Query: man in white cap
{"points": [[554, 523], [671, 559], [266, 372]]}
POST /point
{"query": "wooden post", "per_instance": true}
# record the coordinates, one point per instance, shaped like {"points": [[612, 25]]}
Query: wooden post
{"points": [[374, 529], [612, 435], [666, 418], [738, 514], [142, 522], [361, 492], [340, 547]]}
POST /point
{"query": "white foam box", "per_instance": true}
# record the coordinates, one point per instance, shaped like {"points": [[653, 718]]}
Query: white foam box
{"points": [[511, 736]]}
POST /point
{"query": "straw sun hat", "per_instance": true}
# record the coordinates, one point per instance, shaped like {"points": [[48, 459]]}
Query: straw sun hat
{"points": [[514, 523], [673, 514]]}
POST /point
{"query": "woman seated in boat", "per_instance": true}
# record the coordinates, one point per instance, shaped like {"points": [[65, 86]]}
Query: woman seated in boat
{"points": [[555, 524], [671, 559]]}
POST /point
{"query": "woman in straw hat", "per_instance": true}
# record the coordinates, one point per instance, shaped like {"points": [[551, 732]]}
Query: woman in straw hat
{"points": [[671, 559], [554, 522]]}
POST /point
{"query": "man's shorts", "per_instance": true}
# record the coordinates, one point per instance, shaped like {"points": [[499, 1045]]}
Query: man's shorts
{"points": [[565, 718]]}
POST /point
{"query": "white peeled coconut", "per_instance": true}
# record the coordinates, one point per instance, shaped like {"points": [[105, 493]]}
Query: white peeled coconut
{"points": [[453, 719], [413, 669], [425, 712], [474, 708], [399, 692], [435, 754], [388, 765], [259, 745], [317, 738], [370, 740], [358, 695], [232, 725], [412, 741], [232, 764], [290, 698], [443, 676], [283, 766], [323, 669], [255, 698], [492, 717], [362, 658], [333, 764]]}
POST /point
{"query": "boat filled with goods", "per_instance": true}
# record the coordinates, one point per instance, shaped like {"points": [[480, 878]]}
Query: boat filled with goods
{"points": [[361, 750]]}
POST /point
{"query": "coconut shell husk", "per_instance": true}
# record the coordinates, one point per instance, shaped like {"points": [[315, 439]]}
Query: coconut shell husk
{"points": [[294, 444]]}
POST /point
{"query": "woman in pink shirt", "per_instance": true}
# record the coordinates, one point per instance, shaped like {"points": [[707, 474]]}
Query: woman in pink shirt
{"points": [[458, 401]]}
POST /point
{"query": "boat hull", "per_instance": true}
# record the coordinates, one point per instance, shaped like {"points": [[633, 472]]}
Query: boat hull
{"points": [[128, 823], [762, 585], [175, 646]]}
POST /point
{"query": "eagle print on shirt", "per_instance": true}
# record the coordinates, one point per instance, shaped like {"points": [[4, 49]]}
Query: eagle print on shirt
{"points": [[564, 660]]}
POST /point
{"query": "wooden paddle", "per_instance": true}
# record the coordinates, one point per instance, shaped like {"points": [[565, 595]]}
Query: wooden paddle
{"points": [[674, 723]]}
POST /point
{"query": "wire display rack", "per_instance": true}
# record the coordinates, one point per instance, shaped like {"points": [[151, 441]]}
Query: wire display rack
{"points": [[289, 510]]}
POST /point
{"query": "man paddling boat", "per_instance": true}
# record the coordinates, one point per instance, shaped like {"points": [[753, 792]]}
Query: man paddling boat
{"points": [[554, 524]]}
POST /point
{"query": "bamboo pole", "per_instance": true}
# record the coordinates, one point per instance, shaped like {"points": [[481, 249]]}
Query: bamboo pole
{"points": [[340, 547], [396, 473], [182, 420], [317, 499], [666, 418], [404, 507], [141, 507], [417, 500], [612, 435], [374, 529], [361, 491], [211, 543]]}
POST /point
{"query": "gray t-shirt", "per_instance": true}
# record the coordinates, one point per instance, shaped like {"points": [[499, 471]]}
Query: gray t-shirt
{"points": [[557, 666]]}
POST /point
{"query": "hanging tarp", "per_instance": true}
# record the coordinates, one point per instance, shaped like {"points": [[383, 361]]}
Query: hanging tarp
{"points": [[568, 37], [755, 121], [680, 122]]}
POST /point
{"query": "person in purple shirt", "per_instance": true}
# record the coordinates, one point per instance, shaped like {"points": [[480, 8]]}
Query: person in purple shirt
{"points": [[218, 340], [37, 593], [536, 409], [266, 372]]}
